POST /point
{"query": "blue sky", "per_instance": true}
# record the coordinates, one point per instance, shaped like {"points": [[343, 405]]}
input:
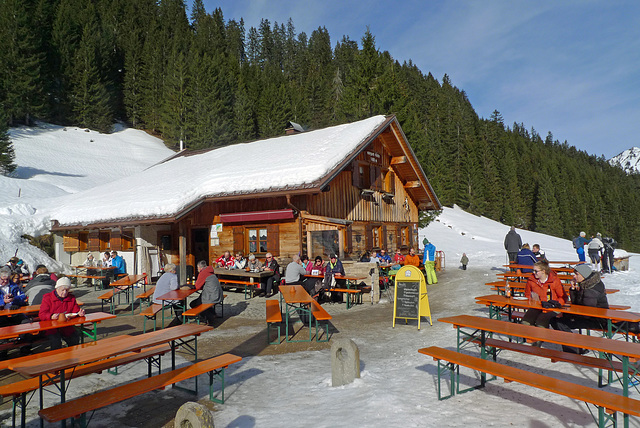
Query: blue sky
{"points": [[569, 67]]}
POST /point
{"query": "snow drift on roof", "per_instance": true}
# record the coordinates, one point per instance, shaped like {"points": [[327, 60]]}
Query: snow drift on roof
{"points": [[293, 161]]}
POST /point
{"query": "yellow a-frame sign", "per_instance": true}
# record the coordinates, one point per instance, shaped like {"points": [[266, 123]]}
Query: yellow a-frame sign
{"points": [[410, 299]]}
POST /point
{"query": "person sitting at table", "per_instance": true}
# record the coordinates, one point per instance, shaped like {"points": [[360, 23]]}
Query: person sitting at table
{"points": [[40, 285], [365, 257], [540, 255], [108, 273], [586, 289], [314, 285], [211, 291], [90, 262], [12, 264], [166, 283], [545, 286], [118, 263], [240, 262], [526, 257], [334, 268], [374, 257], [295, 272], [384, 257], [253, 264], [412, 259], [11, 297], [226, 261], [23, 269], [270, 284], [398, 257], [305, 261], [54, 304]]}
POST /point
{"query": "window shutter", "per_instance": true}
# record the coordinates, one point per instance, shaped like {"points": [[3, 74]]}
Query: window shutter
{"points": [[348, 239], [116, 241], [372, 177], [355, 174], [94, 241], [70, 242], [273, 239], [368, 237], [383, 240], [398, 236], [238, 239]]}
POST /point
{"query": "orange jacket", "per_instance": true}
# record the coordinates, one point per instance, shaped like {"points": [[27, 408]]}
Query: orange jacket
{"points": [[557, 290], [412, 260]]}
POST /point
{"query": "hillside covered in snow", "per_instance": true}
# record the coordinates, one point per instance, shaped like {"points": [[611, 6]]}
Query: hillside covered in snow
{"points": [[55, 161]]}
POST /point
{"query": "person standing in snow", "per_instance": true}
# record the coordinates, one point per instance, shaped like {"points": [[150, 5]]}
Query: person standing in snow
{"points": [[512, 243], [579, 244], [609, 249], [429, 262], [595, 249], [464, 261]]}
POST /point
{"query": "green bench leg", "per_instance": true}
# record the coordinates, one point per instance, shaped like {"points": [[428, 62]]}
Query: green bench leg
{"points": [[269, 334], [216, 374]]}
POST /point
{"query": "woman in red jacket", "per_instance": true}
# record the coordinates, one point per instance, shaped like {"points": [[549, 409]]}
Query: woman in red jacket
{"points": [[545, 285], [61, 301]]}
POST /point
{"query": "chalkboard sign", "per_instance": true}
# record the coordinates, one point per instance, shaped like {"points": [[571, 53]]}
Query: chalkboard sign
{"points": [[407, 299]]}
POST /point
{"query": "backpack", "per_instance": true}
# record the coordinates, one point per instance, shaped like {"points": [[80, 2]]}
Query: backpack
{"points": [[576, 242]]}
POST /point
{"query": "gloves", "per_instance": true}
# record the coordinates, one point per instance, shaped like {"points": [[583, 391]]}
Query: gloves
{"points": [[551, 304], [14, 307]]}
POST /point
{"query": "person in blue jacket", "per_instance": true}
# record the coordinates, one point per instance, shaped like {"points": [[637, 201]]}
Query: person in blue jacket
{"points": [[11, 297], [579, 244], [429, 261], [526, 257], [119, 263]]}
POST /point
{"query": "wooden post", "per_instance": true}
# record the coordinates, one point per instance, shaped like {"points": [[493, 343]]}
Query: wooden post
{"points": [[182, 252]]}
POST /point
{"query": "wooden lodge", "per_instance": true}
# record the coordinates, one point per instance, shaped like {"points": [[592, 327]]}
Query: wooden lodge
{"points": [[360, 187]]}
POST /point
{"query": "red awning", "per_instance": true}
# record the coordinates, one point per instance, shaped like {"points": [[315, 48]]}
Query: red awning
{"points": [[254, 216]]}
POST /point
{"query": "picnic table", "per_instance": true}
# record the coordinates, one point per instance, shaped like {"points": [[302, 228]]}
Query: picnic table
{"points": [[475, 329], [179, 295], [243, 277], [52, 369], [127, 284], [501, 304], [11, 331], [297, 301], [555, 269]]}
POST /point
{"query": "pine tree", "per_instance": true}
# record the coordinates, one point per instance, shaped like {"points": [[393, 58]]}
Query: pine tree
{"points": [[7, 156], [90, 99]]}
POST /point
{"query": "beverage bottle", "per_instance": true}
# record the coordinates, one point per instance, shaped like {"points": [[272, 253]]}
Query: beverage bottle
{"points": [[548, 293], [507, 290]]}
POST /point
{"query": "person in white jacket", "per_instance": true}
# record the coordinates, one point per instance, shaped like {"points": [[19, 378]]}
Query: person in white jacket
{"points": [[595, 251]]}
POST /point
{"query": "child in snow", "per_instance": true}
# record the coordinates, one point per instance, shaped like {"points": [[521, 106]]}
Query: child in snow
{"points": [[464, 261]]}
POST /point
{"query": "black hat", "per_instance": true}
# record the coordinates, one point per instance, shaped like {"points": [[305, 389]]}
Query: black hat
{"points": [[333, 256]]}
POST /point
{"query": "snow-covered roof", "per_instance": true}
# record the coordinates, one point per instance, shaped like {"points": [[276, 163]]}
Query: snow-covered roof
{"points": [[289, 162]]}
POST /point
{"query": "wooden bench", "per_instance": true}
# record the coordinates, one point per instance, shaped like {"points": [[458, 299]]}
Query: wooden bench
{"points": [[320, 314], [250, 286], [146, 296], [109, 297], [352, 293], [608, 403], [151, 313], [18, 391], [80, 406], [274, 316]]}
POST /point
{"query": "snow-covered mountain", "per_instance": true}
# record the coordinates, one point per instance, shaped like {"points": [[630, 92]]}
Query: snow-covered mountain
{"points": [[629, 160]]}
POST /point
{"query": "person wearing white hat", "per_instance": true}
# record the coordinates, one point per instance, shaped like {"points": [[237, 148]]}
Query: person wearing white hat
{"points": [[57, 305]]}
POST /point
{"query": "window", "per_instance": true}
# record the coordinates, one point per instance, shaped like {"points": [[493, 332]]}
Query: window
{"points": [[105, 241], [364, 176], [376, 235], [257, 240], [404, 236]]}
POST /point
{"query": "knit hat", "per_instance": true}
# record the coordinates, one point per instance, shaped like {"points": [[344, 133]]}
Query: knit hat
{"points": [[63, 282], [583, 269]]}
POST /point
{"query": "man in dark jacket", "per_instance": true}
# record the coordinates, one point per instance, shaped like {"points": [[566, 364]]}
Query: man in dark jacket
{"points": [[587, 290], [211, 291], [40, 285], [271, 283], [512, 243], [607, 259], [526, 257]]}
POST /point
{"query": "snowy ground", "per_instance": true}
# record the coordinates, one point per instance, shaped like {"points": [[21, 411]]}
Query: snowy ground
{"points": [[397, 387]]}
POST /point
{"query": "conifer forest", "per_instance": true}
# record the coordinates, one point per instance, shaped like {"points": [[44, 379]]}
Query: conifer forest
{"points": [[209, 81]]}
